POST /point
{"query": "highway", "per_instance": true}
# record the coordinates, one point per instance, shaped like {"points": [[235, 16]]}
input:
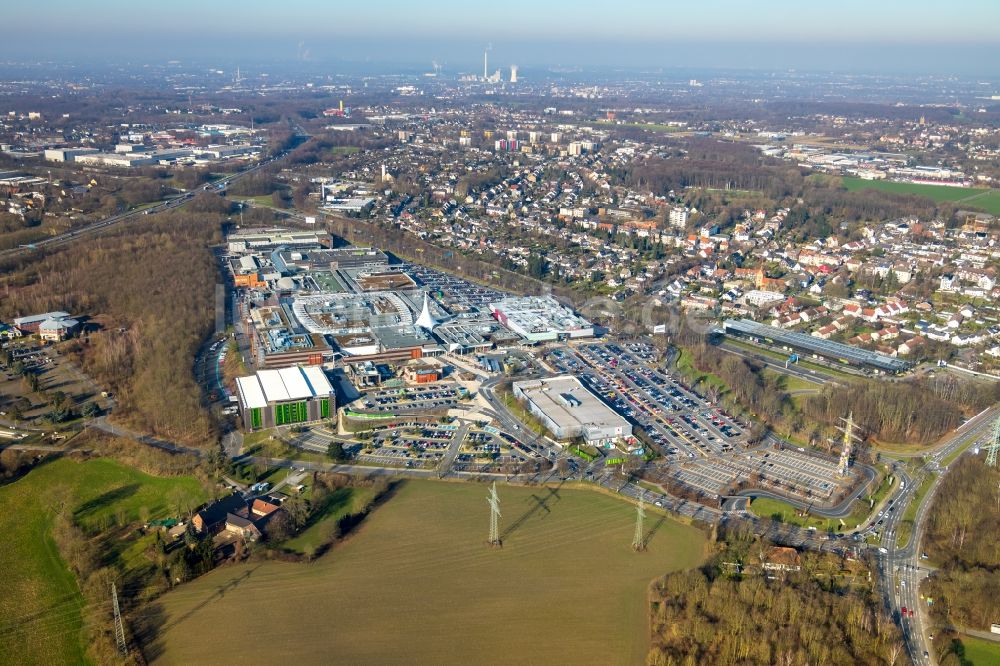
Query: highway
{"points": [[94, 228], [901, 569]]}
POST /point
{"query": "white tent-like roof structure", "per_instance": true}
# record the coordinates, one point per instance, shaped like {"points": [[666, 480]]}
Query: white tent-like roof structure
{"points": [[425, 320]]}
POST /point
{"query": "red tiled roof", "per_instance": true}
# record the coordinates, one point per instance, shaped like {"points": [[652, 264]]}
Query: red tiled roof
{"points": [[263, 508]]}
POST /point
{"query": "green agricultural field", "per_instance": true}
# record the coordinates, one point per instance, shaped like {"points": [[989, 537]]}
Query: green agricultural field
{"points": [[979, 652], [338, 504], [418, 584], [40, 607], [653, 127], [987, 199], [657, 127]]}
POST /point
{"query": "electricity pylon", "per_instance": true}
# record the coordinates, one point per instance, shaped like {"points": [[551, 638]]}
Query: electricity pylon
{"points": [[119, 627], [494, 501], [991, 448], [849, 438], [639, 541]]}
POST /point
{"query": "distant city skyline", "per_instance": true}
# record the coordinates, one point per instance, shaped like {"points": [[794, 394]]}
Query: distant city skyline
{"points": [[916, 35]]}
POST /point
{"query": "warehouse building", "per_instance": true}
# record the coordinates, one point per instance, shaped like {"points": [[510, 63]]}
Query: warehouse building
{"points": [[289, 261], [68, 154], [284, 397], [540, 319], [568, 410], [218, 152], [266, 240], [133, 158]]}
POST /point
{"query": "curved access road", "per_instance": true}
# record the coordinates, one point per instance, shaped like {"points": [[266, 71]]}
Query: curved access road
{"points": [[839, 510]]}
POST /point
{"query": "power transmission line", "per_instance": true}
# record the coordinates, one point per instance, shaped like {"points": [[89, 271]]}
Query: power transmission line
{"points": [[849, 438], [494, 501], [639, 541], [991, 448], [119, 627]]}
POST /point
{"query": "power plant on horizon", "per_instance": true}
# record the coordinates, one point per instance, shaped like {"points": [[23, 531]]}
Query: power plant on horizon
{"points": [[486, 77], [495, 76]]}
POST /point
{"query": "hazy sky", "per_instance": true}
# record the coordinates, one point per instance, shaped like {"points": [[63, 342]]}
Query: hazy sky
{"points": [[922, 34]]}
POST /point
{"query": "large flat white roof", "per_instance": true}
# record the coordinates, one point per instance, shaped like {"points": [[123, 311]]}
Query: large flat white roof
{"points": [[318, 381], [285, 384], [274, 388], [534, 315], [296, 386], [250, 392]]}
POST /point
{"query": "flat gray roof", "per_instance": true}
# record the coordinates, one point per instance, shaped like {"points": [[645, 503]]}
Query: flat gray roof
{"points": [[401, 337], [549, 395]]}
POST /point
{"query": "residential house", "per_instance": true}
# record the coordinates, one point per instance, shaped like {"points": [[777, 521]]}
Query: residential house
{"points": [[242, 527], [911, 345], [262, 508], [783, 559], [949, 282], [824, 332], [213, 517]]}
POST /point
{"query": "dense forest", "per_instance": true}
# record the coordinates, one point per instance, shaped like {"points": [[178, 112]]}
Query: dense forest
{"points": [[147, 291], [706, 167], [905, 411], [730, 612], [756, 621], [961, 539], [716, 165], [759, 394]]}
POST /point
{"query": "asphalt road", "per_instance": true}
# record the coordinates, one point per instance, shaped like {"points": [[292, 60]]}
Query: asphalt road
{"points": [[169, 204], [817, 377], [841, 509], [901, 569], [102, 424]]}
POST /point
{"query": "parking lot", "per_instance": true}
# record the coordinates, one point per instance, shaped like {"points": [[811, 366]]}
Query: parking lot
{"points": [[55, 373], [795, 472], [490, 445], [702, 446], [441, 395], [803, 475], [680, 422], [456, 291], [420, 445]]}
